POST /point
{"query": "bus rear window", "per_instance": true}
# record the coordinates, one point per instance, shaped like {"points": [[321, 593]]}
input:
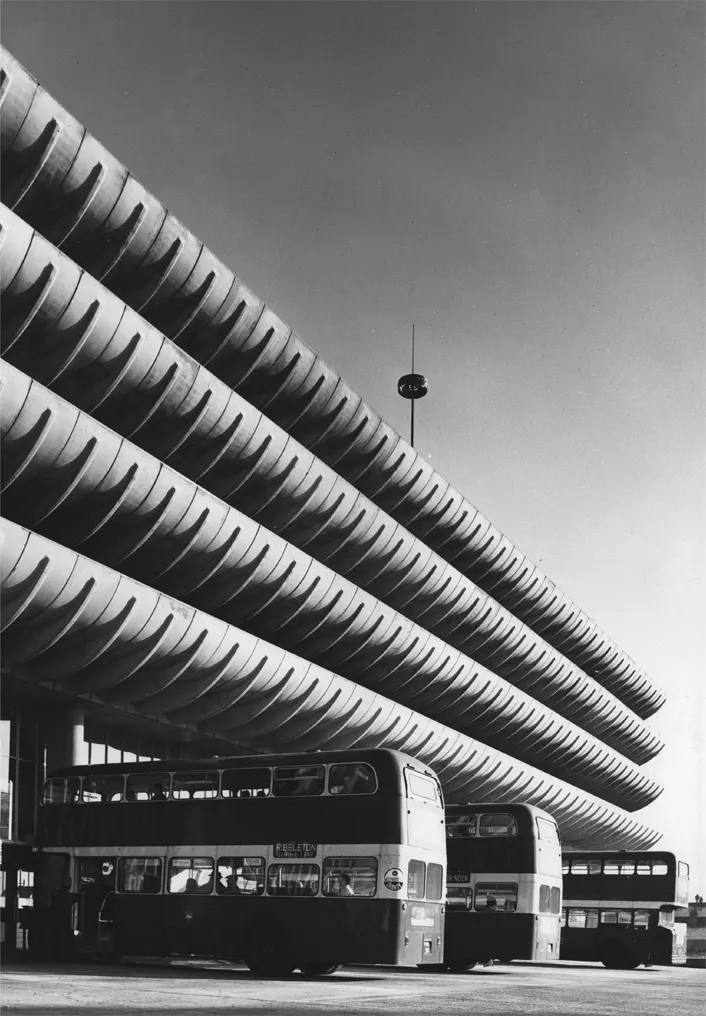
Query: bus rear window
{"points": [[299, 781], [352, 778], [61, 790], [415, 880], [435, 882], [498, 825], [147, 787], [195, 786], [660, 868], [421, 786], [102, 788], [246, 783], [683, 869]]}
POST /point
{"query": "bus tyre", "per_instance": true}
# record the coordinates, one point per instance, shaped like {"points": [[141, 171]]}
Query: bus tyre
{"points": [[318, 969], [616, 956], [266, 951]]}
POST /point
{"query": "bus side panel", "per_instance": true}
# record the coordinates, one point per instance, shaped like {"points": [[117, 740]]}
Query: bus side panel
{"points": [[479, 937]]}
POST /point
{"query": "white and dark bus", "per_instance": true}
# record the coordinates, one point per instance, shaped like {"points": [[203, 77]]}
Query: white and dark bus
{"points": [[620, 907], [503, 884], [291, 861]]}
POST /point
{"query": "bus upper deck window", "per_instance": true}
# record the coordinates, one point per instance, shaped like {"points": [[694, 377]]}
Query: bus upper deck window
{"points": [[498, 825], [461, 825], [641, 919], [102, 789], [61, 790], [666, 918], [644, 868], [195, 786], [565, 867], [352, 778], [299, 781], [611, 868], [579, 868], [660, 868], [627, 868], [148, 787], [594, 867], [547, 830], [421, 786], [246, 782]]}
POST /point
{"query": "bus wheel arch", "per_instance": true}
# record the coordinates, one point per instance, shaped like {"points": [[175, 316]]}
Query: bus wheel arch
{"points": [[266, 950], [457, 966]]}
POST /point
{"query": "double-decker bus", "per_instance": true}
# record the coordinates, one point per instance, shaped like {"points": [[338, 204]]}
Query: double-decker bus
{"points": [[503, 884], [291, 861], [619, 907]]}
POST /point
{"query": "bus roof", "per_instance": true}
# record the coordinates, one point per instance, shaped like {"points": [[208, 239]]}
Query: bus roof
{"points": [[373, 755], [508, 807]]}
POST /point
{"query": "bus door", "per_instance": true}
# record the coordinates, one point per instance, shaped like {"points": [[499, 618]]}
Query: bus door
{"points": [[96, 880], [133, 915], [190, 924], [55, 907]]}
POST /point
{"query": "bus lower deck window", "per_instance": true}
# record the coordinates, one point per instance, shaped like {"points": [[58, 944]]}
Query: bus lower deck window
{"points": [[293, 880], [500, 896], [241, 876], [61, 790], [140, 874], [190, 875], [458, 896], [416, 880], [360, 873]]}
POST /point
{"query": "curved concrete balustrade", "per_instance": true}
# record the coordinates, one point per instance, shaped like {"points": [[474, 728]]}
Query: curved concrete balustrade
{"points": [[62, 181], [91, 630], [70, 478], [68, 331]]}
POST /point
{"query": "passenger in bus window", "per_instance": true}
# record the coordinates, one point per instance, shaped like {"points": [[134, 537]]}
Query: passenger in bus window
{"points": [[491, 903], [354, 780], [158, 793], [344, 885], [191, 885]]}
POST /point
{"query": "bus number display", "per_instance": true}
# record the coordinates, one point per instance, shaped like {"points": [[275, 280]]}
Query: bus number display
{"points": [[289, 849]]}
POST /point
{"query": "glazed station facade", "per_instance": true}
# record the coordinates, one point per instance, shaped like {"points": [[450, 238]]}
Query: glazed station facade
{"points": [[212, 544]]}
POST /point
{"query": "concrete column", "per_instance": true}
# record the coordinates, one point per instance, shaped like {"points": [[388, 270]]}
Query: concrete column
{"points": [[63, 733]]}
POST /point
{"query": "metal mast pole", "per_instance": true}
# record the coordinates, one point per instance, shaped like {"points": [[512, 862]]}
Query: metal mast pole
{"points": [[411, 401]]}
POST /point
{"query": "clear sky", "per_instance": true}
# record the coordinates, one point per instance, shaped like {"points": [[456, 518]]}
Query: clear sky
{"points": [[524, 182]]}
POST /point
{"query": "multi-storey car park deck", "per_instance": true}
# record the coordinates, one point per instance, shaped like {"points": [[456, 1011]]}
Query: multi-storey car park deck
{"points": [[210, 535]]}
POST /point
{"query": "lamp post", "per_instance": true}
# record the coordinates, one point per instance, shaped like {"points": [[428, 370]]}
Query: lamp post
{"points": [[412, 386]]}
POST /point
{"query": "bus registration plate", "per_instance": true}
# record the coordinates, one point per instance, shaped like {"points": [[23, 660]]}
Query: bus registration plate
{"points": [[294, 849]]}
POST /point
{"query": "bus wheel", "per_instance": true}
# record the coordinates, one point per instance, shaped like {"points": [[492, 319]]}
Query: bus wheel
{"points": [[266, 951], [458, 966], [616, 956], [318, 969]]}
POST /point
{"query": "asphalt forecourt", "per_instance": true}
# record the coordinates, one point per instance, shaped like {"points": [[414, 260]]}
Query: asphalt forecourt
{"points": [[216, 989]]}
